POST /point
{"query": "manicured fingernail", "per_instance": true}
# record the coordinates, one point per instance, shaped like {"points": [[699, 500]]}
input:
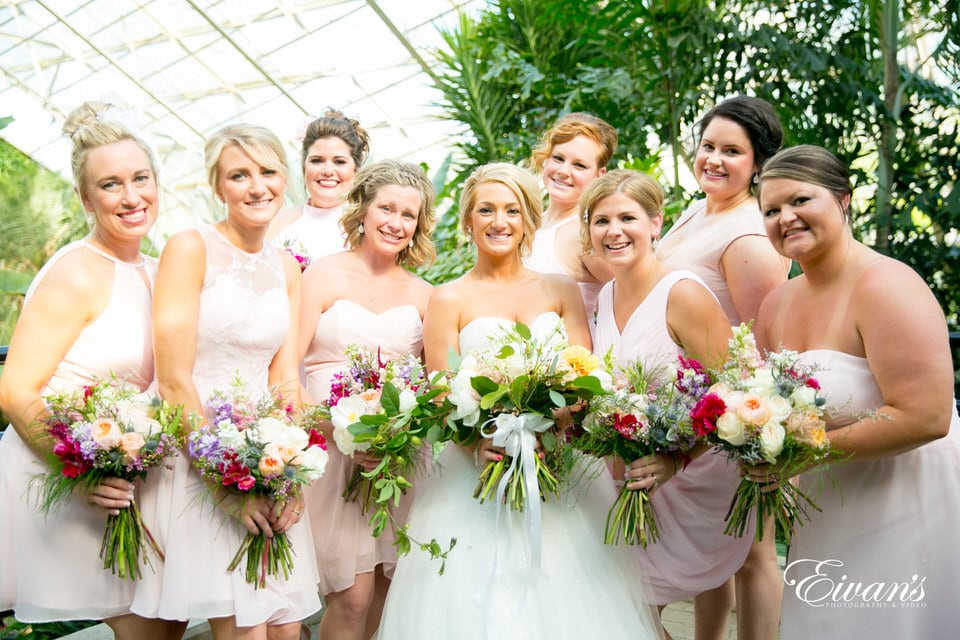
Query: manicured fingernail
{"points": [[499, 458]]}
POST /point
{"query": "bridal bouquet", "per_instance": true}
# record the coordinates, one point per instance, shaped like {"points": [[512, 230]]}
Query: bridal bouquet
{"points": [[109, 430], [387, 409], [509, 394], [648, 412], [765, 411], [257, 447]]}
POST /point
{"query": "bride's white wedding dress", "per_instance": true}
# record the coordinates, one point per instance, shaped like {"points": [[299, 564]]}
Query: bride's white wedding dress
{"points": [[490, 587]]}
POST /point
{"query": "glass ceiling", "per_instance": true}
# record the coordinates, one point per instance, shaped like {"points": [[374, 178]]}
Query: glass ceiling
{"points": [[186, 67]]}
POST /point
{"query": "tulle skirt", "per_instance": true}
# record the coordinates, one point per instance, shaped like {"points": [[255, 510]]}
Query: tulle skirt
{"points": [[491, 588]]}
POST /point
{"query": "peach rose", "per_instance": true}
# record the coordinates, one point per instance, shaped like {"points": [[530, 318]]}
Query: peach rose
{"points": [[270, 466], [131, 443], [106, 433]]}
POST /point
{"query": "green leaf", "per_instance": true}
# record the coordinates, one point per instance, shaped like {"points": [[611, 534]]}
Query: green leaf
{"points": [[557, 399], [523, 330], [483, 385], [390, 399]]}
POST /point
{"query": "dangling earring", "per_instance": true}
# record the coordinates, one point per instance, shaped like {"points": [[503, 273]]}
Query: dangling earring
{"points": [[410, 246], [756, 178], [360, 229]]}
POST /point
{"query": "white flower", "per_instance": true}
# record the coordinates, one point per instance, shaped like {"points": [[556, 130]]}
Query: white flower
{"points": [[284, 434], [779, 407], [762, 382], [731, 429], [465, 398], [342, 415], [771, 440], [408, 400], [230, 436], [804, 396], [606, 380], [137, 413], [513, 366], [313, 462]]}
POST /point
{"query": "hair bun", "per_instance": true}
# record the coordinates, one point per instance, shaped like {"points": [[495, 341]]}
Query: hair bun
{"points": [[87, 114]]}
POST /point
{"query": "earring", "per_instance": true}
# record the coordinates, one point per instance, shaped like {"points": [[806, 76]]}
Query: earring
{"points": [[756, 178], [411, 244], [360, 229]]}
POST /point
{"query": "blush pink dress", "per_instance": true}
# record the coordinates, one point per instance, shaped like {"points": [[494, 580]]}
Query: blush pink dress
{"points": [[881, 559], [49, 565], [543, 258], [693, 554], [244, 318], [343, 541]]}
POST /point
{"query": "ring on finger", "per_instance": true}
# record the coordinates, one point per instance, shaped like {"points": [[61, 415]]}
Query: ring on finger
{"points": [[297, 512]]}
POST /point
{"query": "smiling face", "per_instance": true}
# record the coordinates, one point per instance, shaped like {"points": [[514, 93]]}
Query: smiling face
{"points": [[570, 168], [621, 231], [328, 172], [725, 162], [390, 222], [496, 219], [251, 192], [802, 219], [120, 190]]}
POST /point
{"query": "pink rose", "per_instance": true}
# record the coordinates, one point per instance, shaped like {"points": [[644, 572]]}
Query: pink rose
{"points": [[105, 433], [131, 443], [270, 466]]}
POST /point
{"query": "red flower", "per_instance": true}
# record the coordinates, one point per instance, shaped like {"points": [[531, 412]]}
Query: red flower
{"points": [[705, 413], [74, 464], [235, 473], [813, 384], [627, 424], [317, 438]]}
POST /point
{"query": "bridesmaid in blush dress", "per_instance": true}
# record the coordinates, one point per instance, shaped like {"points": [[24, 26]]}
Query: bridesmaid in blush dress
{"points": [[574, 152], [721, 238], [880, 561], [226, 306], [364, 296], [332, 151], [650, 313], [86, 318]]}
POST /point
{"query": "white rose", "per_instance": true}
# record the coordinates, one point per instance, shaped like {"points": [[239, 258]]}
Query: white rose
{"points": [[465, 399], [274, 431], [762, 382], [408, 400], [780, 408], [606, 380], [137, 413], [342, 415], [513, 366], [804, 396], [313, 462], [771, 440], [731, 429]]}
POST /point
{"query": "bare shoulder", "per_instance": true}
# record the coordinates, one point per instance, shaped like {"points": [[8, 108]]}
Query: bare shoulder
{"points": [[73, 279], [887, 286], [184, 243], [284, 218]]}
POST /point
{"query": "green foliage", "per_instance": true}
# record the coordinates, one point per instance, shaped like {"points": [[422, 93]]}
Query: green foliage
{"points": [[10, 629], [651, 69]]}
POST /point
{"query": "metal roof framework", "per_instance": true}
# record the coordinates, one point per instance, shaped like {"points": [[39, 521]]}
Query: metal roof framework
{"points": [[183, 68]]}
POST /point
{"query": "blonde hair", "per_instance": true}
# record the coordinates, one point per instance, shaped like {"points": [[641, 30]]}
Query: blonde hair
{"points": [[568, 127], [523, 184], [258, 142], [90, 126], [367, 184], [639, 187]]}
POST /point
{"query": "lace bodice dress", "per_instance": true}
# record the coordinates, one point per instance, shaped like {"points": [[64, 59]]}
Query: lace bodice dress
{"points": [[244, 317], [491, 587], [49, 565]]}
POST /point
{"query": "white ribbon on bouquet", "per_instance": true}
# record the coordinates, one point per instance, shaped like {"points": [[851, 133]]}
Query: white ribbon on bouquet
{"points": [[517, 434]]}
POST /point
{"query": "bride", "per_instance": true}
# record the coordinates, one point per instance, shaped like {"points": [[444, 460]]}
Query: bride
{"points": [[491, 587]]}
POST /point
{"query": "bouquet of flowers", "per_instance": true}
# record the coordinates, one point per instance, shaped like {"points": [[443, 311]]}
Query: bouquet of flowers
{"points": [[648, 412], [509, 394], [257, 447], [387, 409], [298, 251], [765, 411], [109, 430]]}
